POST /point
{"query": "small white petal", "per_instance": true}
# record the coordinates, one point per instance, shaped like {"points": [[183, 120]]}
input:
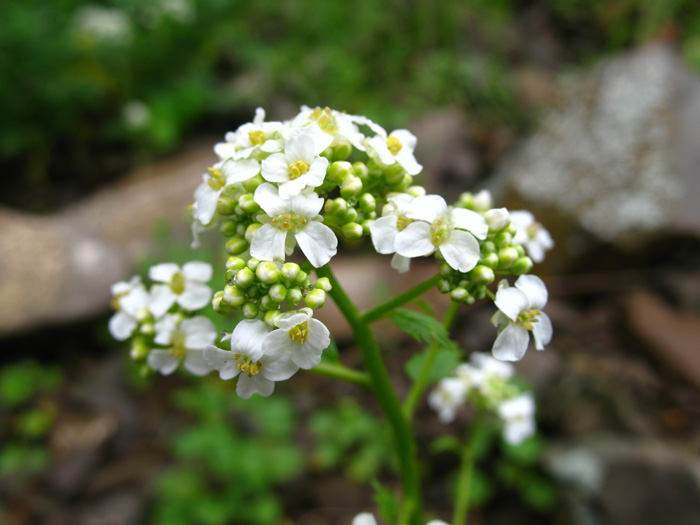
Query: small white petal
{"points": [[461, 251], [194, 296], [383, 232], [165, 328], [268, 199], [471, 221], [196, 364], [162, 361], [163, 272], [247, 338], [318, 242], [278, 368], [307, 205], [542, 331], [535, 290], [406, 138], [162, 298], [199, 332], [257, 384], [197, 271], [364, 518], [268, 243], [408, 162], [239, 170], [511, 343], [414, 240], [121, 326], [400, 263], [511, 301], [205, 205], [275, 168], [427, 208], [221, 360], [378, 145]]}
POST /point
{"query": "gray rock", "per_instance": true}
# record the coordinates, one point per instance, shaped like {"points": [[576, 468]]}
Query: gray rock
{"points": [[618, 156]]}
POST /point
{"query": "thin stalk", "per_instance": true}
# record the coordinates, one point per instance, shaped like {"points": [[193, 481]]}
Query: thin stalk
{"points": [[421, 382], [379, 311], [466, 471], [384, 392], [338, 371]]}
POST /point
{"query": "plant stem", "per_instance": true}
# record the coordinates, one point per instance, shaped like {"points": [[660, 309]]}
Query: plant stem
{"points": [[377, 312], [384, 392], [421, 382], [338, 371], [466, 470]]}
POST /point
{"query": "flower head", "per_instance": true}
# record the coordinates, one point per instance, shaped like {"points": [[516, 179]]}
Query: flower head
{"points": [[449, 395], [518, 415], [300, 337], [396, 148], [297, 168], [531, 234], [185, 285], [258, 371], [520, 312], [253, 138], [131, 301], [186, 340]]}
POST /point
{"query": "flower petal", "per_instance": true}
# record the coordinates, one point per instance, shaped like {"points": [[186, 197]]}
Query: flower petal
{"points": [[197, 271], [414, 240], [162, 298], [121, 326], [427, 208], [199, 332], [534, 289], [318, 242], [307, 205], [164, 330], [247, 338], [196, 364], [278, 368], [221, 360], [511, 301], [378, 145], [268, 243], [408, 161], [542, 331], [162, 361], [461, 251], [239, 170], [383, 232], [471, 221], [511, 343], [268, 199], [195, 296], [163, 272], [205, 203], [257, 384], [275, 168]]}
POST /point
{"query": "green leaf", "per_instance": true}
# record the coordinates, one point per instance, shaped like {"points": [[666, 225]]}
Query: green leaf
{"points": [[526, 453], [422, 327], [445, 363], [387, 501], [538, 492]]}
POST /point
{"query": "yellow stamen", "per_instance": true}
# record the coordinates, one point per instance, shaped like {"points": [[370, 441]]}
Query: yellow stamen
{"points": [[402, 222], [297, 169], [177, 283], [257, 138], [300, 332], [216, 180], [394, 145]]}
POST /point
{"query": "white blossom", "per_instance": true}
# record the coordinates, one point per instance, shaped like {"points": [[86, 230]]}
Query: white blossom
{"points": [[519, 313], [531, 234], [518, 415], [253, 138], [220, 176], [450, 394], [330, 127], [289, 222], [436, 226], [300, 337], [385, 229], [186, 340], [131, 301], [258, 372], [186, 286], [396, 148], [297, 168]]}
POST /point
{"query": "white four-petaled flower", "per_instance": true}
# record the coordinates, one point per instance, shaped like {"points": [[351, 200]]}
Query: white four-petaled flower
{"points": [[186, 286], [253, 137], [185, 339], [520, 312], [297, 168], [531, 234], [300, 337], [131, 302], [292, 221], [396, 148], [518, 415]]}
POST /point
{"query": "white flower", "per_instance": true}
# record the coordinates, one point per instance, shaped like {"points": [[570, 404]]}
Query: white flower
{"points": [[531, 234], [364, 518], [297, 168], [300, 337], [292, 220], [497, 218], [449, 395], [518, 415], [258, 372], [220, 175], [329, 127], [186, 286], [397, 147], [439, 227], [131, 301], [253, 137], [186, 339], [491, 367], [520, 312], [385, 229]]}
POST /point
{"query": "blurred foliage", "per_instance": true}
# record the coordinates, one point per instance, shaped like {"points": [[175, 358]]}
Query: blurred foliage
{"points": [[230, 459], [26, 416], [83, 78], [347, 436]]}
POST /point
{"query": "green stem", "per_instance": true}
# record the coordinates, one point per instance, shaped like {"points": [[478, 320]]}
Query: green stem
{"points": [[384, 392], [377, 312], [421, 382], [466, 471], [338, 371]]}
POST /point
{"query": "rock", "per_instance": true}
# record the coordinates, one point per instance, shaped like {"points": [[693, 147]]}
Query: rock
{"points": [[672, 337], [616, 159], [60, 267]]}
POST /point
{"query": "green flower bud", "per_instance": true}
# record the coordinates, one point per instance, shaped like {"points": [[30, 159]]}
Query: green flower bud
{"points": [[233, 295], [458, 294], [254, 292], [147, 329], [139, 350], [272, 318], [503, 239], [520, 249], [248, 204], [522, 265], [146, 371], [444, 286], [506, 257], [250, 184], [268, 272], [367, 202], [230, 275], [294, 296], [341, 151], [360, 169], [416, 191], [250, 310], [235, 263], [266, 303], [236, 245], [491, 260], [445, 270], [338, 171], [350, 187], [497, 219], [290, 271], [482, 275], [302, 276], [366, 224], [251, 230], [252, 263], [278, 293], [352, 230], [488, 246], [322, 283], [336, 206], [218, 303], [226, 205], [245, 278], [315, 299], [393, 175], [228, 228], [351, 215]]}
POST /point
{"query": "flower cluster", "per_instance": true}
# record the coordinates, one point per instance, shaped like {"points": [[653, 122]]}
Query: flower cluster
{"points": [[366, 518], [486, 383]]}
